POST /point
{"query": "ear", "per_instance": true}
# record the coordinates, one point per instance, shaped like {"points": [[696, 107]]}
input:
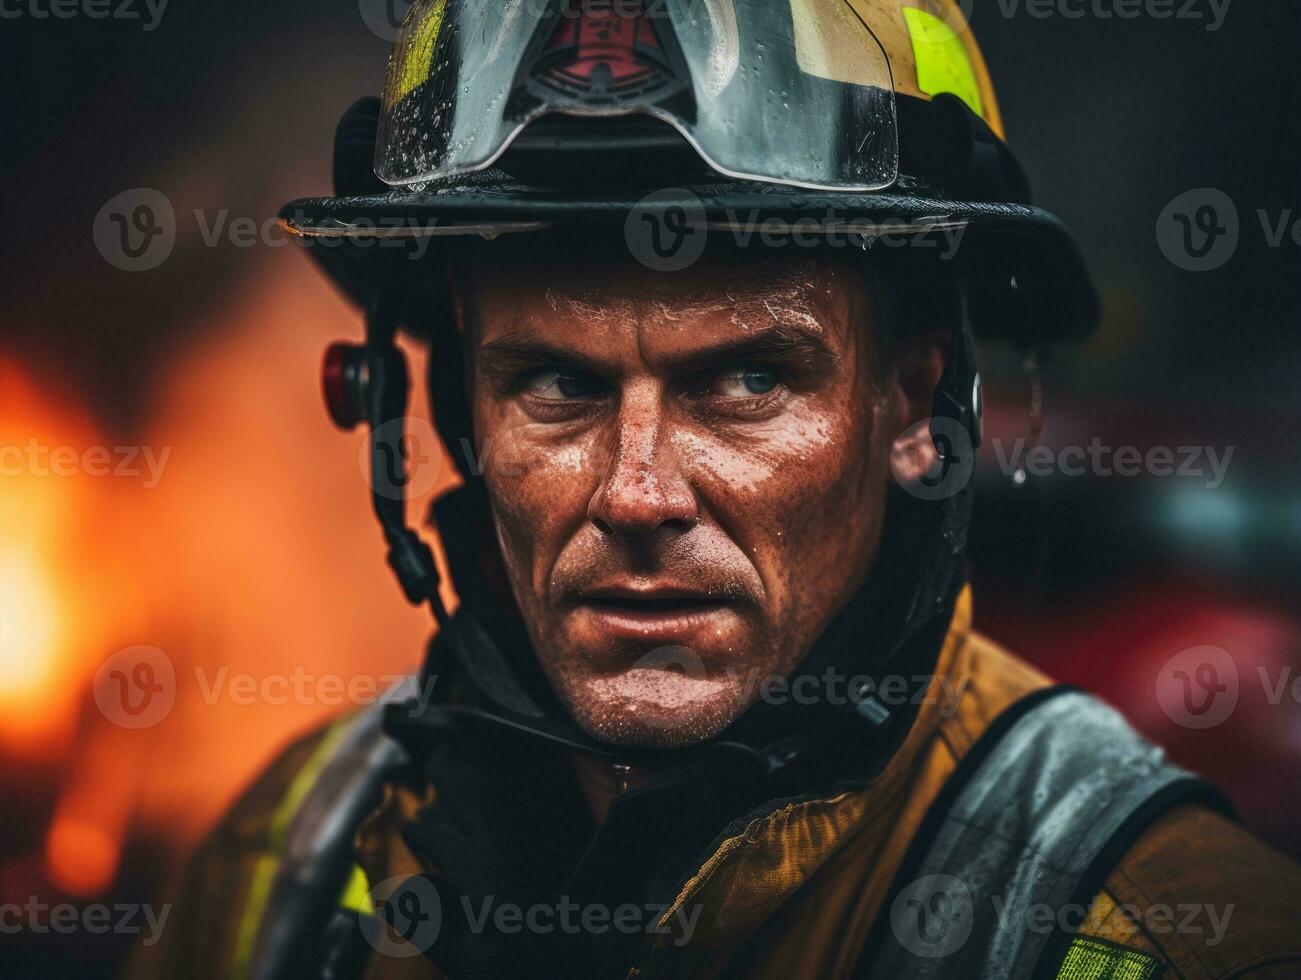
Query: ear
{"points": [[918, 366]]}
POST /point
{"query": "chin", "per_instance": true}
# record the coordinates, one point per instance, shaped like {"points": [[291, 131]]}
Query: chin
{"points": [[653, 708]]}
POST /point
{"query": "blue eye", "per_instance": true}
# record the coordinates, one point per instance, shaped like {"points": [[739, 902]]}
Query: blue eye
{"points": [[759, 381], [574, 386], [562, 385], [744, 381]]}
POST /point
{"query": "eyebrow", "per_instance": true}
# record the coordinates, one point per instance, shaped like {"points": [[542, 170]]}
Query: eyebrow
{"points": [[780, 342]]}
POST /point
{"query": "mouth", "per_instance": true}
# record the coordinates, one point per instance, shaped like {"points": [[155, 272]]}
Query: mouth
{"points": [[657, 614]]}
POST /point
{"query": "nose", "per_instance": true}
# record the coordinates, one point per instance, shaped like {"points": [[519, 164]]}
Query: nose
{"points": [[643, 488]]}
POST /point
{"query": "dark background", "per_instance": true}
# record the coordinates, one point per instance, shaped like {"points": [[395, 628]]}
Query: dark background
{"points": [[256, 551]]}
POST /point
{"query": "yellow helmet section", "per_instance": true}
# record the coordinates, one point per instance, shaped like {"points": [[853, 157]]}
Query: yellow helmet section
{"points": [[931, 49]]}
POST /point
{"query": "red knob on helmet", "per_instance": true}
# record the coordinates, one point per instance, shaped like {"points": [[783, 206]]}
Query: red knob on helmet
{"points": [[343, 381]]}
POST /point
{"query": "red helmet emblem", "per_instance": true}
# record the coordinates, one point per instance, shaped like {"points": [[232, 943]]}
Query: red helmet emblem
{"points": [[609, 52]]}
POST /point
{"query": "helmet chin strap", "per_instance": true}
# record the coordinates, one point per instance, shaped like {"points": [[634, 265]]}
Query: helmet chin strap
{"points": [[385, 400], [959, 396], [369, 384]]}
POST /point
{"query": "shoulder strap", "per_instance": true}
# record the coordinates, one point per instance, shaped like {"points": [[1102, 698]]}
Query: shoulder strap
{"points": [[1021, 838], [299, 882]]}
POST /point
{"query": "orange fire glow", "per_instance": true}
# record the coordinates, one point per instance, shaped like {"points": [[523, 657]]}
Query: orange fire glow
{"points": [[45, 607], [254, 560], [82, 856]]}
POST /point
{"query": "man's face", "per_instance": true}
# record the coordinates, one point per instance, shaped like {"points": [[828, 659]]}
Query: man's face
{"points": [[688, 474]]}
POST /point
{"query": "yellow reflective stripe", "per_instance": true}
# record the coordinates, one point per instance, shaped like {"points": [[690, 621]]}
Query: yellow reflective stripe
{"points": [[988, 98], [943, 63], [268, 863], [418, 51], [1094, 959], [356, 893], [302, 784], [259, 891]]}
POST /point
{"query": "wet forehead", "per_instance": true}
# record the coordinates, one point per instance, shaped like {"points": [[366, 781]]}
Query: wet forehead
{"points": [[608, 302]]}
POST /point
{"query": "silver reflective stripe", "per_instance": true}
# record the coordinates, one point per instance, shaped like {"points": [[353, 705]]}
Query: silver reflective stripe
{"points": [[1004, 866]]}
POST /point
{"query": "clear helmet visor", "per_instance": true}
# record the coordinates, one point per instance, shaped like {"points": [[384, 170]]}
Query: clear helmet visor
{"points": [[794, 92]]}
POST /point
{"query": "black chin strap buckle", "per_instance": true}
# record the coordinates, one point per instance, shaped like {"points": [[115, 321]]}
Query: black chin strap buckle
{"points": [[959, 395], [369, 384], [387, 384]]}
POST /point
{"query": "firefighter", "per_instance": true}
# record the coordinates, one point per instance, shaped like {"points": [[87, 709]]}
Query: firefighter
{"points": [[700, 283]]}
